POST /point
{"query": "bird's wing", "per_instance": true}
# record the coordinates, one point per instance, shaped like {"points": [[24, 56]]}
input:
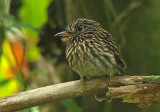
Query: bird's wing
{"points": [[121, 66], [119, 60]]}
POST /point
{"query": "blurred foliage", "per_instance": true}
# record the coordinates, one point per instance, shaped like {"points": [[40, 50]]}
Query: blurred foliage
{"points": [[32, 58], [8, 84], [71, 105], [33, 13], [33, 109], [143, 40]]}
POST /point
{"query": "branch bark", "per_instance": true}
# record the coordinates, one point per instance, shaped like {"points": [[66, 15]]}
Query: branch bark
{"points": [[144, 90]]}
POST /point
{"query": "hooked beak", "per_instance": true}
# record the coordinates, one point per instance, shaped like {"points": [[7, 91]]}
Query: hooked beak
{"points": [[62, 34]]}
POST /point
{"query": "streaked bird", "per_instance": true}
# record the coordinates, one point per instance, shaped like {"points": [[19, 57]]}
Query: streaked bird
{"points": [[91, 50]]}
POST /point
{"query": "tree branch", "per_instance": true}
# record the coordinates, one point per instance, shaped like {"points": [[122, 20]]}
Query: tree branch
{"points": [[144, 90]]}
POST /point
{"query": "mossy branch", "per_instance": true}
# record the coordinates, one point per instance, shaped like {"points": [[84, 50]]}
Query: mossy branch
{"points": [[144, 90]]}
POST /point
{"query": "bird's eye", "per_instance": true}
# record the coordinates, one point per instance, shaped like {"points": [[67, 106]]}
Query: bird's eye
{"points": [[80, 28]]}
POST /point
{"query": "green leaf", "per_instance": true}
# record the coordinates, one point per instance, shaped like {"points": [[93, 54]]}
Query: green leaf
{"points": [[33, 15], [3, 82], [34, 12]]}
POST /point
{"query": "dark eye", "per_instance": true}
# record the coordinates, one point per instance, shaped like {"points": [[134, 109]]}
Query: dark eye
{"points": [[80, 28]]}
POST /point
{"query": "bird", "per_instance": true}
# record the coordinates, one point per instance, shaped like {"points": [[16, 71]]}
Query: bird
{"points": [[90, 49]]}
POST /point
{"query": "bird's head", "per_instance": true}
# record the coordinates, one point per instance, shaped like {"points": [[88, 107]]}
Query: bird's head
{"points": [[79, 30]]}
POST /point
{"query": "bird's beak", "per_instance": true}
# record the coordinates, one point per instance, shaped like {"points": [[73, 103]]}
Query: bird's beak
{"points": [[62, 34]]}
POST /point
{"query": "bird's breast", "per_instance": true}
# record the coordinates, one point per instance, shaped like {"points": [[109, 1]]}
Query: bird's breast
{"points": [[89, 60]]}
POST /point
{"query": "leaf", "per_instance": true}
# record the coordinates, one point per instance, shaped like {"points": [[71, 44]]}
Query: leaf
{"points": [[34, 12], [10, 87], [3, 82], [33, 15]]}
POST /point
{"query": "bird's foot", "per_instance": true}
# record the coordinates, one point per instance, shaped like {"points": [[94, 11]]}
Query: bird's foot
{"points": [[83, 80], [109, 80], [102, 96]]}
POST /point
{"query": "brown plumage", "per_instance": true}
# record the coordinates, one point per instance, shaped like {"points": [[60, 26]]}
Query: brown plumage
{"points": [[90, 49]]}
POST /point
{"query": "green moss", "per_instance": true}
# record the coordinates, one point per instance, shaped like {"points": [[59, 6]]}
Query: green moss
{"points": [[152, 79]]}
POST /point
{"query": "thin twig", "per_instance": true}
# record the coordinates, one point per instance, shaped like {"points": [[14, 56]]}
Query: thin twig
{"points": [[111, 8]]}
